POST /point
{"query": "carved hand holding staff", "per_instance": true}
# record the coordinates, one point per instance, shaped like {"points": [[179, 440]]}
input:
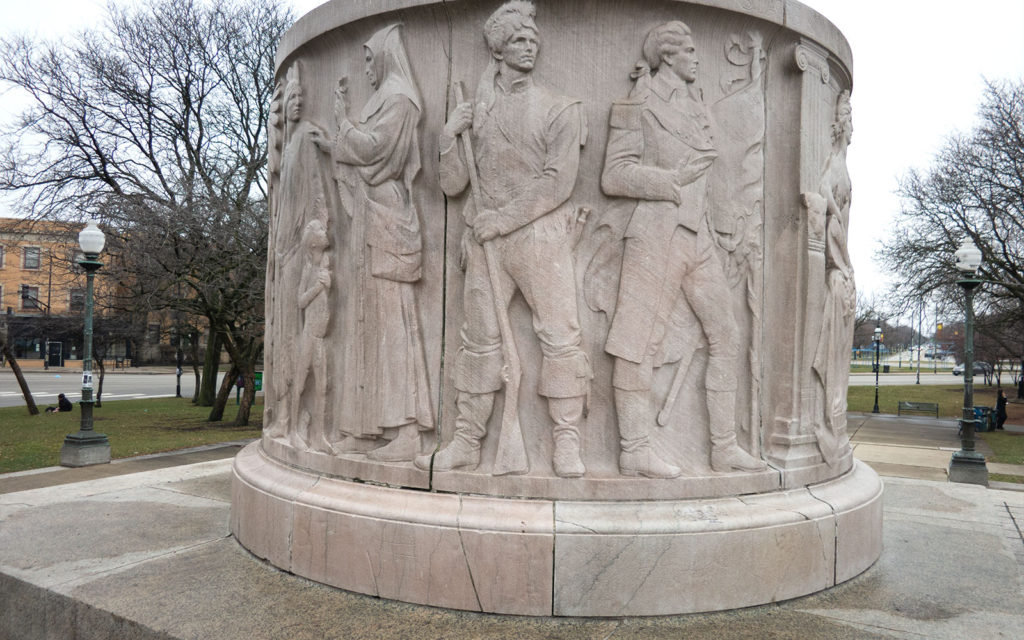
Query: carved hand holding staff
{"points": [[511, 455]]}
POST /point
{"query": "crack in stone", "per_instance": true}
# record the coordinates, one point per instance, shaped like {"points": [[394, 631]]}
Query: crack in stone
{"points": [[650, 571], [465, 557], [1016, 524]]}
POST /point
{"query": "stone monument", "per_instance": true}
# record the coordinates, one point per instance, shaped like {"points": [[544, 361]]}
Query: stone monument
{"points": [[559, 308]]}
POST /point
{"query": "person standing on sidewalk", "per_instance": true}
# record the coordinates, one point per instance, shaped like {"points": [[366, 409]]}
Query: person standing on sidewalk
{"points": [[1001, 409]]}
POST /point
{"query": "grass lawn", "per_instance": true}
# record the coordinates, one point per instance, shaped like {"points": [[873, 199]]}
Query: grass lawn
{"points": [[1007, 447], [950, 398], [135, 427]]}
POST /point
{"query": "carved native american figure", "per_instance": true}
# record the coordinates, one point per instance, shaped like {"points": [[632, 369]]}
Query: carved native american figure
{"points": [[299, 198]]}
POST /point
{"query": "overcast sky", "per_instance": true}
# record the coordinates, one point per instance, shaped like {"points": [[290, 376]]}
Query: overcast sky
{"points": [[918, 76]]}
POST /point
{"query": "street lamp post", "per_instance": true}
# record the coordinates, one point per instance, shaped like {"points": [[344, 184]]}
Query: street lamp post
{"points": [[86, 447], [967, 465], [878, 361]]}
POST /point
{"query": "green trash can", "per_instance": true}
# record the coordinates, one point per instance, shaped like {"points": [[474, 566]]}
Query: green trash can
{"points": [[983, 417]]}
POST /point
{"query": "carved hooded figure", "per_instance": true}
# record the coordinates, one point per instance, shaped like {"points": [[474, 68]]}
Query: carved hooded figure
{"points": [[379, 157]]}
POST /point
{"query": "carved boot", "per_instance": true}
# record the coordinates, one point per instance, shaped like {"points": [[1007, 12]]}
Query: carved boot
{"points": [[464, 450], [567, 414], [726, 454], [404, 447], [637, 457]]}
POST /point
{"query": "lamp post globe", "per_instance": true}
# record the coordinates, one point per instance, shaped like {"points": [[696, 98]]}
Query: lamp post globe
{"points": [[967, 465], [86, 447]]}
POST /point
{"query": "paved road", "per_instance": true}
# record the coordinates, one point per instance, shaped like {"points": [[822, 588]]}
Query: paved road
{"points": [[119, 386], [890, 379], [116, 386]]}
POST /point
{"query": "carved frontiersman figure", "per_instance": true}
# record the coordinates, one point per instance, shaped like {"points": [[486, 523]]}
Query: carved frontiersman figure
{"points": [[659, 152], [527, 143]]}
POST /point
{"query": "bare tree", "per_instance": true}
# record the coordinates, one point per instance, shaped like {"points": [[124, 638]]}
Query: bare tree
{"points": [[974, 189], [7, 354], [156, 123]]}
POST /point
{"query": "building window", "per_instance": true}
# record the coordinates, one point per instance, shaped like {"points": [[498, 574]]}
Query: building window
{"points": [[77, 301], [30, 258], [1, 257], [29, 297]]}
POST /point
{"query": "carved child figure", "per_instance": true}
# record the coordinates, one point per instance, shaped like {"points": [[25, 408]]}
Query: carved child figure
{"points": [[659, 152], [312, 359], [527, 145]]}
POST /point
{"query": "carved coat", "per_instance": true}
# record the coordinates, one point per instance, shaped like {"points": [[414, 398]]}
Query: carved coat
{"points": [[658, 128], [527, 144]]}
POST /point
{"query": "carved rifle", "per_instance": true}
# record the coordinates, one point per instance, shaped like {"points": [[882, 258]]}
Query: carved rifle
{"points": [[511, 455]]}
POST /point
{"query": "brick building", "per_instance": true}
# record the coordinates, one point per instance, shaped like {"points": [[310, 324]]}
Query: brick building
{"points": [[42, 289]]}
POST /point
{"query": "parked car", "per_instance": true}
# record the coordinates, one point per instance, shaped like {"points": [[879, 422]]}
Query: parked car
{"points": [[980, 368]]}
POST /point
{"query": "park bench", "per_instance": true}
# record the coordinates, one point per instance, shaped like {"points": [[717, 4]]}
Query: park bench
{"points": [[904, 406]]}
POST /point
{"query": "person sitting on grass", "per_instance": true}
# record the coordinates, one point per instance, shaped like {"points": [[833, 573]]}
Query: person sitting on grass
{"points": [[63, 404]]}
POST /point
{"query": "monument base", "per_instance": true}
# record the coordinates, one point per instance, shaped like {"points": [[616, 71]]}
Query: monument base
{"points": [[557, 557]]}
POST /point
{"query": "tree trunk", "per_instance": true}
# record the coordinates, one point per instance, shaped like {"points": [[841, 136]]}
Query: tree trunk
{"points": [[193, 338], [217, 412], [210, 368], [248, 396], [99, 387], [16, 368]]}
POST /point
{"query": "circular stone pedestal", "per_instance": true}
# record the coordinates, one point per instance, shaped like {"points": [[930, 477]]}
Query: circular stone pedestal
{"points": [[557, 557], [588, 359]]}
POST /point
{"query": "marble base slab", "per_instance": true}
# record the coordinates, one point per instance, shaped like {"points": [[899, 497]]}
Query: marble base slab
{"points": [[557, 557]]}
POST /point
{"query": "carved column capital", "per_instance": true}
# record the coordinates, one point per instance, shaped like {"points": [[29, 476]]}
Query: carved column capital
{"points": [[809, 56]]}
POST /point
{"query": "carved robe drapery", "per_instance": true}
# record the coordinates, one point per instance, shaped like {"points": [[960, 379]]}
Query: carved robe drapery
{"points": [[300, 198], [378, 160], [833, 349]]}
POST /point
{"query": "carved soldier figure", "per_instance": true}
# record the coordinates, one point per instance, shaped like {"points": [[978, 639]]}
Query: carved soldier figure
{"points": [[378, 158], [527, 143], [659, 151]]}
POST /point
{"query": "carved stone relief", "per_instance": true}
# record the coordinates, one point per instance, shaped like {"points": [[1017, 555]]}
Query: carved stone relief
{"points": [[829, 220], [377, 157], [675, 262], [520, 157], [299, 198], [736, 187], [659, 155]]}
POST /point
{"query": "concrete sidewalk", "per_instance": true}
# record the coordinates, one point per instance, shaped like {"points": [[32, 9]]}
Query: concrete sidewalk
{"points": [[917, 447], [147, 554]]}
